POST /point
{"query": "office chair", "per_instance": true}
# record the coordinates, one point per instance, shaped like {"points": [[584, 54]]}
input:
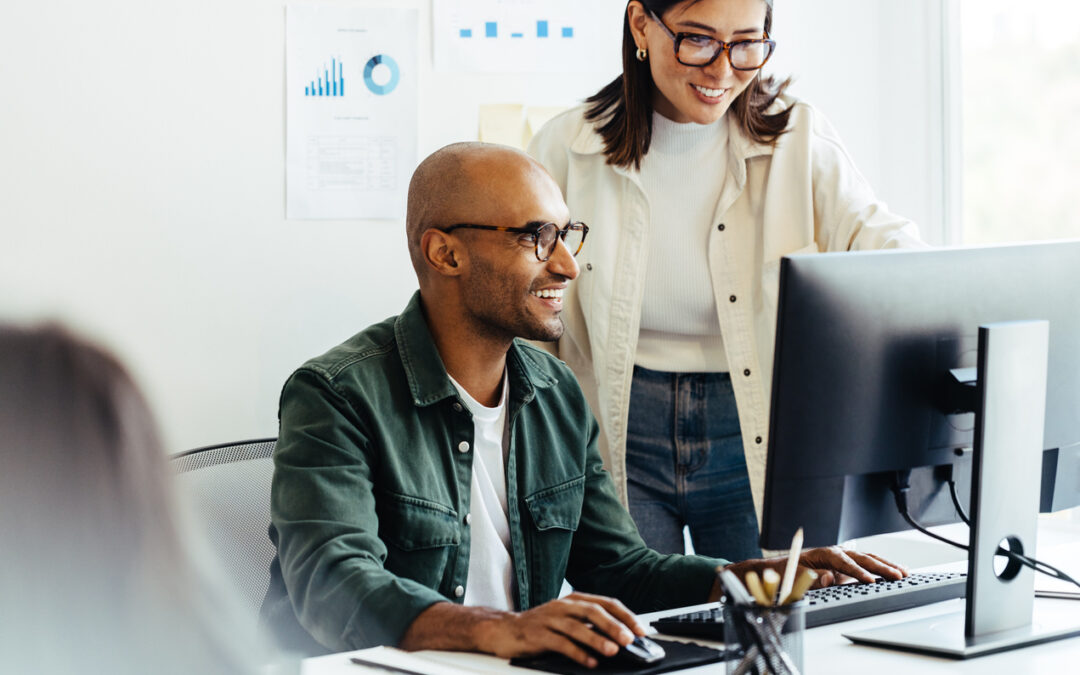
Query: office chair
{"points": [[228, 489]]}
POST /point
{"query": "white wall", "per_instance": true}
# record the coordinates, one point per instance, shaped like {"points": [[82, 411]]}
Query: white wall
{"points": [[142, 180]]}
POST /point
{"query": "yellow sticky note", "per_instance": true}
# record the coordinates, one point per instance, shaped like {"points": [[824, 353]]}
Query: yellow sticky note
{"points": [[538, 115], [502, 123]]}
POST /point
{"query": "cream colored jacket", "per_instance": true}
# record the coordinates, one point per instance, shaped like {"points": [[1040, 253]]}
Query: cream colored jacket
{"points": [[802, 195]]}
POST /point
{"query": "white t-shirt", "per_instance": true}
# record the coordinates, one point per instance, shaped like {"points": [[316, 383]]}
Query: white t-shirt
{"points": [[491, 574]]}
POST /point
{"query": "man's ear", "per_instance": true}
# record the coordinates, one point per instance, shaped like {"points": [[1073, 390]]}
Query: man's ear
{"points": [[442, 252]]}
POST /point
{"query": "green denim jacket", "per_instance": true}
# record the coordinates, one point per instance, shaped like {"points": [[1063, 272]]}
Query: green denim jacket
{"points": [[372, 476]]}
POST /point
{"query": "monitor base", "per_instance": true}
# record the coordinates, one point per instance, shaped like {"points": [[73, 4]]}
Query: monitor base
{"points": [[944, 635]]}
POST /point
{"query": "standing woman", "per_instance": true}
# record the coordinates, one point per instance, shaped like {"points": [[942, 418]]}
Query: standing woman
{"points": [[696, 175]]}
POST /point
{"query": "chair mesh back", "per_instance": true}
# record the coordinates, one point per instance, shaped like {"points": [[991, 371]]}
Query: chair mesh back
{"points": [[228, 487]]}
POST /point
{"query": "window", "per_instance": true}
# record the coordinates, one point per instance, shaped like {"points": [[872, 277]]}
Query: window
{"points": [[1020, 120]]}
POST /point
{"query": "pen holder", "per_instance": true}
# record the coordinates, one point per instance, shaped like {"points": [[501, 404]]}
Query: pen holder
{"points": [[770, 639]]}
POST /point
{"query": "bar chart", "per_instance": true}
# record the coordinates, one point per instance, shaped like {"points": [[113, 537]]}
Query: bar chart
{"points": [[528, 36], [330, 83], [540, 30]]}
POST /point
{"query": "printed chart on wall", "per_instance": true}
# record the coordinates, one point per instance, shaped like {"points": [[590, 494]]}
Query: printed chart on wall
{"points": [[526, 36], [351, 106]]}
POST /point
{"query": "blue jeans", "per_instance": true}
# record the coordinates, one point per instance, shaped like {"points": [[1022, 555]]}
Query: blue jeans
{"points": [[685, 465]]}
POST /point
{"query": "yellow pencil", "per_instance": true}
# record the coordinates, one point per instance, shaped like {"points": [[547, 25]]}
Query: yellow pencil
{"points": [[753, 584], [770, 579], [802, 584]]}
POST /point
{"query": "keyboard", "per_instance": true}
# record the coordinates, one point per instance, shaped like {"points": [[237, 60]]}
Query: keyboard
{"points": [[835, 603]]}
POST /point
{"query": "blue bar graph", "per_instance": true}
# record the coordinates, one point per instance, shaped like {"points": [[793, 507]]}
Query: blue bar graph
{"points": [[330, 83], [491, 30]]}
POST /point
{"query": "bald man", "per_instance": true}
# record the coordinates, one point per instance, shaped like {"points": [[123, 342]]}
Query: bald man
{"points": [[436, 478]]}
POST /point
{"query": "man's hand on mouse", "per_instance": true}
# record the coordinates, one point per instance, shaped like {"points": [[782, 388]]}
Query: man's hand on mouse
{"points": [[563, 626]]}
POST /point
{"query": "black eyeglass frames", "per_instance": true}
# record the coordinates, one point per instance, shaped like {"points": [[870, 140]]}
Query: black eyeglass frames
{"points": [[697, 50], [544, 237]]}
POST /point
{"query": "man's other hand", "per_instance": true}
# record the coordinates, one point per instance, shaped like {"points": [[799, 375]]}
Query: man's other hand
{"points": [[833, 564]]}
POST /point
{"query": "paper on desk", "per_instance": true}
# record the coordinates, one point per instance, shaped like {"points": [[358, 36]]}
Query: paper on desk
{"points": [[1063, 557], [1044, 583], [389, 656]]}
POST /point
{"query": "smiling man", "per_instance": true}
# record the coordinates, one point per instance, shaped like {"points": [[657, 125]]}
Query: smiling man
{"points": [[436, 478]]}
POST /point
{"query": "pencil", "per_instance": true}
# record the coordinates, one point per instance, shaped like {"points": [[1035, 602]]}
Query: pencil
{"points": [[792, 564], [753, 584], [802, 584], [770, 579]]}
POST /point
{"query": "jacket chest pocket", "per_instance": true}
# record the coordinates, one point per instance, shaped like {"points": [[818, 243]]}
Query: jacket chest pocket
{"points": [[555, 513], [420, 537]]}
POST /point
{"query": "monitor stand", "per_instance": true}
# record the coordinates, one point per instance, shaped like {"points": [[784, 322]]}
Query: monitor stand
{"points": [[1006, 474]]}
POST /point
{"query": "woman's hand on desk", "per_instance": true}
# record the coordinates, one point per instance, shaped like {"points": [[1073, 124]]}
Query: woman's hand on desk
{"points": [[833, 564]]}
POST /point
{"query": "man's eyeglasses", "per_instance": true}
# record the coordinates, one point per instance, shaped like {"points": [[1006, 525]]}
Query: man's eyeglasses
{"points": [[695, 49], [544, 237]]}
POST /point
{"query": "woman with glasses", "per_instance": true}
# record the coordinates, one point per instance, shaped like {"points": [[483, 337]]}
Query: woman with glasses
{"points": [[696, 175]]}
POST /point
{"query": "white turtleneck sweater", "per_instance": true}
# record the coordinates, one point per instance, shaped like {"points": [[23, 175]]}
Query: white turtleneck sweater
{"points": [[682, 175]]}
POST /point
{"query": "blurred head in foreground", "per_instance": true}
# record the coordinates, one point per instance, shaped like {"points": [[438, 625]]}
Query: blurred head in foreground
{"points": [[95, 575]]}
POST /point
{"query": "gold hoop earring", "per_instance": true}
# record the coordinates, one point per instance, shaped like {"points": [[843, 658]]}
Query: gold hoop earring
{"points": [[642, 54]]}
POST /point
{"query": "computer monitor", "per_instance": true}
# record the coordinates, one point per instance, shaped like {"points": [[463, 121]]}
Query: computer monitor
{"points": [[865, 343], [866, 385]]}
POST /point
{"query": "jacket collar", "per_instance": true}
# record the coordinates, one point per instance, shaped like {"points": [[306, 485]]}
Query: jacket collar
{"points": [[426, 374]]}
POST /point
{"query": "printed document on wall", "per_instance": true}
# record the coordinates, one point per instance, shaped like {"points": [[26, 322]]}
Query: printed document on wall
{"points": [[527, 36], [351, 110]]}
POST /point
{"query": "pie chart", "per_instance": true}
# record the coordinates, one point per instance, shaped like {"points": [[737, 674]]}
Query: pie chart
{"points": [[369, 70]]}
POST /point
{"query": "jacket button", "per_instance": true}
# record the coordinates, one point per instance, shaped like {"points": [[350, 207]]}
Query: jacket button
{"points": [[757, 439], [720, 227], [459, 591], [745, 372], [732, 298], [588, 266], [457, 407], [468, 516], [464, 445]]}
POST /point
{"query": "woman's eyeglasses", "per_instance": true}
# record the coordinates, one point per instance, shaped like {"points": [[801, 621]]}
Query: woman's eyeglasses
{"points": [[695, 49]]}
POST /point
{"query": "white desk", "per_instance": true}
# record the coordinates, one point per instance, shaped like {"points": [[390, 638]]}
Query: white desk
{"points": [[826, 651], [825, 648]]}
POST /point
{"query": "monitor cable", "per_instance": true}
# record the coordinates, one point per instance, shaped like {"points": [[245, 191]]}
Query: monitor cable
{"points": [[901, 485]]}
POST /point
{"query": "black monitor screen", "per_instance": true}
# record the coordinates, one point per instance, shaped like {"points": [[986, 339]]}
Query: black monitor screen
{"points": [[865, 343]]}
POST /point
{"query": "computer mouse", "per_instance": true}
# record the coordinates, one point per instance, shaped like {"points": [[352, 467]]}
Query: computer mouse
{"points": [[639, 652]]}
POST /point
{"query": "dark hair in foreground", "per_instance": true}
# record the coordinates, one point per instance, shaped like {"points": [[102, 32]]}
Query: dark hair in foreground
{"points": [[95, 576], [623, 108]]}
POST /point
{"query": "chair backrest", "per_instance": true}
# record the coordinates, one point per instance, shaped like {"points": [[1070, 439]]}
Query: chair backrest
{"points": [[228, 487]]}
